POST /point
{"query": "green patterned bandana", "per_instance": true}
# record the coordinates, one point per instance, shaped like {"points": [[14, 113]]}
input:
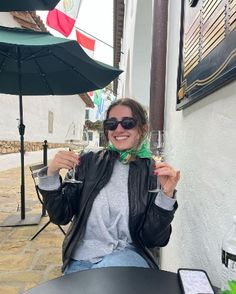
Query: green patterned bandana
{"points": [[128, 155]]}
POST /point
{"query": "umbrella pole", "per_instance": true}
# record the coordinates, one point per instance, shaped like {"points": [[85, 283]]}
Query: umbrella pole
{"points": [[22, 151], [22, 132]]}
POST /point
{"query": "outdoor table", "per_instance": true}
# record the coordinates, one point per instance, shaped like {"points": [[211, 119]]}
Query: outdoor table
{"points": [[112, 280]]}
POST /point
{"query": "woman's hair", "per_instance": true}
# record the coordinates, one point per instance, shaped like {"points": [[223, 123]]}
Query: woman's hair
{"points": [[138, 112]]}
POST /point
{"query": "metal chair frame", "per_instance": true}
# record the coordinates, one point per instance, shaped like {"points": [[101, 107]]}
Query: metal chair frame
{"points": [[34, 173]]}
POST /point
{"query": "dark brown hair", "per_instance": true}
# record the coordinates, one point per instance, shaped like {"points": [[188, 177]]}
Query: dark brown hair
{"points": [[138, 112]]}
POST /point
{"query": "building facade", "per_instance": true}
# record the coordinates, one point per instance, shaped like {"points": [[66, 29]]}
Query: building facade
{"points": [[200, 141]]}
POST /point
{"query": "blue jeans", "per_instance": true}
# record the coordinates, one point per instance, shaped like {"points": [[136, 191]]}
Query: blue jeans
{"points": [[126, 257]]}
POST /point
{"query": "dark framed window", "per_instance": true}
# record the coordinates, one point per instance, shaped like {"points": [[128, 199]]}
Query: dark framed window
{"points": [[90, 136], [86, 113], [207, 50]]}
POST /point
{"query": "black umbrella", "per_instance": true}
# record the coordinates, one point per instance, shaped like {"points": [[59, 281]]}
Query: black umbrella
{"points": [[27, 5], [37, 63]]}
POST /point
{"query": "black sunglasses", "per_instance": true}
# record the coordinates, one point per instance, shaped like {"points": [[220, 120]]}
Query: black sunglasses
{"points": [[127, 123]]}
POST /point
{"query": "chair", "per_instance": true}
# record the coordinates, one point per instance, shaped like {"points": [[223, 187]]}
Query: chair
{"points": [[34, 173]]}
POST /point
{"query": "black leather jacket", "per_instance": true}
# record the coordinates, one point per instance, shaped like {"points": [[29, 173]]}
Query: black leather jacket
{"points": [[149, 224]]}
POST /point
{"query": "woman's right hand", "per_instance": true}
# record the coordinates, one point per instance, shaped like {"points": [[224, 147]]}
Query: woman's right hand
{"points": [[63, 159]]}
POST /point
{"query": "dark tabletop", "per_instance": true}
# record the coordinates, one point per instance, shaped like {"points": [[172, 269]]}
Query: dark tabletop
{"points": [[112, 280]]}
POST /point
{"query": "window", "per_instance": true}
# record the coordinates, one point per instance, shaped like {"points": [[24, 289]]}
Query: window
{"points": [[50, 122], [86, 113], [90, 135]]}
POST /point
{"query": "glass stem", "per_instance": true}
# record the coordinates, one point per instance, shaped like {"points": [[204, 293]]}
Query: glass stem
{"points": [[73, 172], [158, 183]]}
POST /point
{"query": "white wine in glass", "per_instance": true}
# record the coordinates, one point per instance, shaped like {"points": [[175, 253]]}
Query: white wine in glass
{"points": [[156, 144], [77, 145]]}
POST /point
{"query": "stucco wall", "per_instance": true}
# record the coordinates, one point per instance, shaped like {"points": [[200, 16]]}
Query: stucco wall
{"points": [[65, 109], [141, 62], [136, 60], [6, 19], [201, 142]]}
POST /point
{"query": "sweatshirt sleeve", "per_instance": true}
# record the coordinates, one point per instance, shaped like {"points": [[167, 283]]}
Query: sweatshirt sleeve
{"points": [[164, 201], [48, 183]]}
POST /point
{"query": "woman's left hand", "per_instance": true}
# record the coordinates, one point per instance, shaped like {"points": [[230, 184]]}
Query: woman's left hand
{"points": [[168, 177]]}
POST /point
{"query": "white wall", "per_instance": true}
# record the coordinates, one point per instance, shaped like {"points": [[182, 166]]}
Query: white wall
{"points": [[201, 142], [6, 19], [66, 109], [135, 81], [141, 62]]}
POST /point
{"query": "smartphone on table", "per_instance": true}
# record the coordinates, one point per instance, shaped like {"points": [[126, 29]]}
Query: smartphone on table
{"points": [[194, 281]]}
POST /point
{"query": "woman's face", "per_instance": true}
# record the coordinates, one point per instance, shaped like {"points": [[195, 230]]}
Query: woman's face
{"points": [[123, 139]]}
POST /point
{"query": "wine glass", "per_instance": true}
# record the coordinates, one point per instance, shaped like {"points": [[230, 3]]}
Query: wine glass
{"points": [[156, 145], [76, 144]]}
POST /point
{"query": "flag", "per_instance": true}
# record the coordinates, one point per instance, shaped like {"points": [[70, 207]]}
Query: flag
{"points": [[97, 97], [87, 43], [62, 18], [99, 101]]}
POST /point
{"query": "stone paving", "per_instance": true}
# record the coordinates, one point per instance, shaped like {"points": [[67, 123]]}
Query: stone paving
{"points": [[25, 263]]}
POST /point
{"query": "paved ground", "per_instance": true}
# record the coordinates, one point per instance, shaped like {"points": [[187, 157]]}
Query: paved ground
{"points": [[8, 161], [24, 263]]}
